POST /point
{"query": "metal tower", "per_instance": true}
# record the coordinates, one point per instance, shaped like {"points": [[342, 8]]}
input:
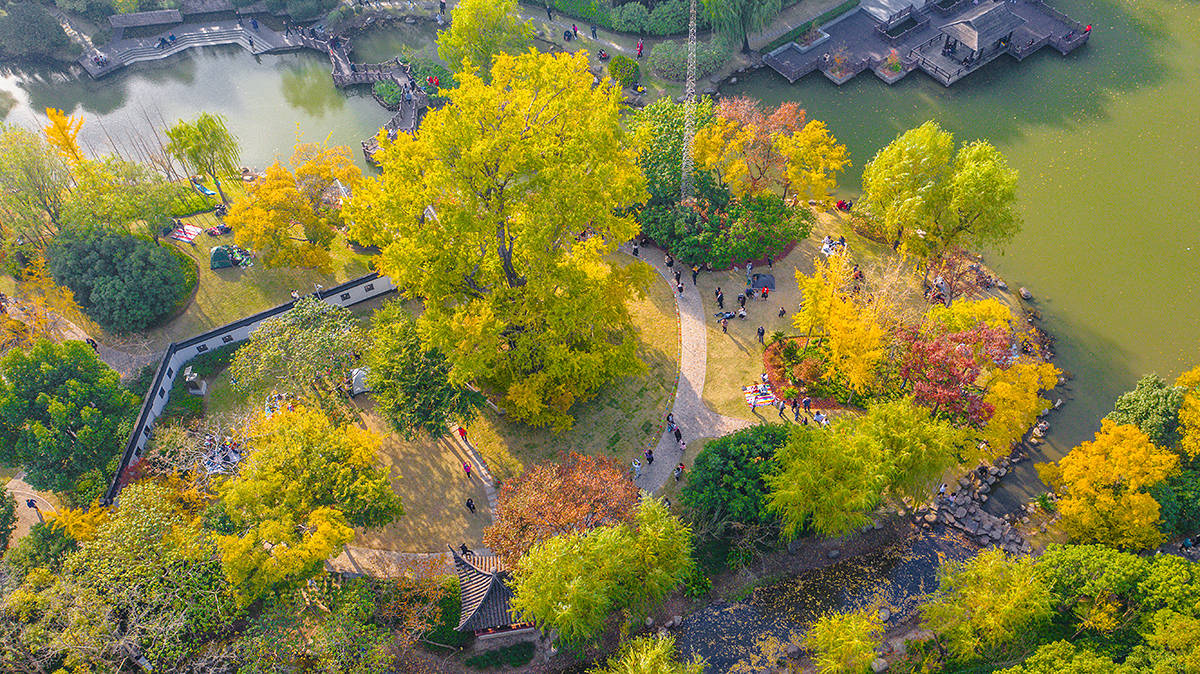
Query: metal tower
{"points": [[689, 113]]}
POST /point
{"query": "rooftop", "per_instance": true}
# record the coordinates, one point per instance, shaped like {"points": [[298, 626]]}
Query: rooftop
{"points": [[983, 25]]}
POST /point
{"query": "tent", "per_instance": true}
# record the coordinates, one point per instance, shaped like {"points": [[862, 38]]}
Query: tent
{"points": [[760, 281], [358, 381], [219, 258]]}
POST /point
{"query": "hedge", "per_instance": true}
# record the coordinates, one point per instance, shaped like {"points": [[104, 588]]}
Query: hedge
{"points": [[668, 59], [624, 70], [669, 17]]}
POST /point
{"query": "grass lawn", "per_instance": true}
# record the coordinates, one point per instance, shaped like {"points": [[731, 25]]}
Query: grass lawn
{"points": [[428, 476], [620, 422], [735, 359]]}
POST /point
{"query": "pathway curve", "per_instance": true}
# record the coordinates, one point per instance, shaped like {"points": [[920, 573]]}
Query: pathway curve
{"points": [[695, 418]]}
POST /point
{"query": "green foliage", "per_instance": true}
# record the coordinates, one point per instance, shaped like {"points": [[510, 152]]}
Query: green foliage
{"points": [[1063, 657], [62, 413], [698, 584], [302, 10], [845, 642], [737, 19], [513, 655], [8, 517], [36, 176], [449, 611], [658, 132], [125, 283], [985, 604], [206, 146], [650, 655], [1179, 499], [389, 92], [1153, 406], [728, 478], [624, 70], [668, 59], [631, 17], [574, 582], [112, 193], [411, 384], [595, 11], [749, 228], [28, 32], [44, 547]]}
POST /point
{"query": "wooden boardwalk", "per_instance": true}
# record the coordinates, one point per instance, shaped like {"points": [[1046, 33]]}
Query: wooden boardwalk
{"points": [[859, 42]]}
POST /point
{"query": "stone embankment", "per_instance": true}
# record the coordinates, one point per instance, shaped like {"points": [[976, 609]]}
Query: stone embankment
{"points": [[961, 507]]}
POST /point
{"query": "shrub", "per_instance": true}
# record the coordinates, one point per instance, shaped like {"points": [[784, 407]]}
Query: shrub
{"points": [[624, 70], [670, 17], [632, 17], [389, 92], [125, 283], [668, 59], [592, 10], [515, 655], [43, 547], [727, 477], [27, 31], [1179, 499]]}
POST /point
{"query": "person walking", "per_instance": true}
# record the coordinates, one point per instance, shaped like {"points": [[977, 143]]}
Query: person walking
{"points": [[678, 275], [679, 287], [462, 433], [594, 32], [671, 426], [682, 447], [678, 435], [575, 30], [466, 552], [678, 472], [769, 265], [549, 15], [720, 299], [796, 412], [649, 454], [637, 469], [782, 407], [782, 311], [640, 46], [442, 6], [742, 300], [467, 469], [635, 248], [725, 325], [807, 405], [761, 332], [471, 505], [695, 273]]}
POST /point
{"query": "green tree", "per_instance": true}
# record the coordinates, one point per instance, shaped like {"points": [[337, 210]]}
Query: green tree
{"points": [[917, 447], [206, 147], [844, 643], [985, 604], [112, 193], [8, 518], [62, 413], [304, 483], [928, 198], [658, 135], [44, 547], [574, 582], [34, 178], [739, 18], [123, 282], [1153, 406], [1063, 657], [27, 31], [828, 480], [727, 481], [483, 216], [480, 29], [1098, 587], [411, 383], [297, 350], [650, 655]]}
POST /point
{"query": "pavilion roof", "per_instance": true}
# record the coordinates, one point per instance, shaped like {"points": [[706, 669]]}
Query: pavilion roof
{"points": [[983, 25], [158, 17], [484, 591]]}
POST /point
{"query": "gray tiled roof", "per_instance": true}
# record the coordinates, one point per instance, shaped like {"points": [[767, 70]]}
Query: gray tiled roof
{"points": [[983, 26], [485, 594]]}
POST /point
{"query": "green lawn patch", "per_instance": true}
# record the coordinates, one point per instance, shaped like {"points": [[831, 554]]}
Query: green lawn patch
{"points": [[516, 655]]}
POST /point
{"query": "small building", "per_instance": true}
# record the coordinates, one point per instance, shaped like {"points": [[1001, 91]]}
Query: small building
{"points": [[143, 24], [483, 585], [987, 28]]}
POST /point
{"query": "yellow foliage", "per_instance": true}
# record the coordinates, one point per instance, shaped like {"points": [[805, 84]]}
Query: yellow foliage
{"points": [[44, 298], [275, 218], [813, 159], [79, 523], [721, 147], [1189, 413], [61, 132], [853, 328], [1103, 483], [966, 314], [1014, 395]]}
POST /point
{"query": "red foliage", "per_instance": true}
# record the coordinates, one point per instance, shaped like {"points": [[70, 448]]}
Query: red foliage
{"points": [[943, 369], [578, 494]]}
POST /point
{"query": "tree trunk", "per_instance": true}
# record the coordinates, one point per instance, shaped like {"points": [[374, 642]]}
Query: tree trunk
{"points": [[221, 192]]}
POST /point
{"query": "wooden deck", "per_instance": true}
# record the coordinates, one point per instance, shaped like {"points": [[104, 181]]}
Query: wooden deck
{"points": [[866, 44]]}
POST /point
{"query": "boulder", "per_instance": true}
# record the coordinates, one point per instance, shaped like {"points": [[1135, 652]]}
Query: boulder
{"points": [[649, 621], [960, 512], [1025, 294], [884, 614], [733, 80], [931, 518], [879, 665], [834, 553], [793, 651], [898, 647]]}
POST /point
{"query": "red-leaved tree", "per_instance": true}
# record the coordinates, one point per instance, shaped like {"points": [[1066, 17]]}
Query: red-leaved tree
{"points": [[942, 370], [577, 494]]}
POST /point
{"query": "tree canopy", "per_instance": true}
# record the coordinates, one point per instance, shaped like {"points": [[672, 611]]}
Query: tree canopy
{"points": [[844, 643], [63, 413], [929, 198], [1153, 406], [27, 31], [727, 481], [499, 213], [480, 29], [650, 655], [411, 383], [576, 494], [34, 178], [739, 18], [206, 147], [658, 134]]}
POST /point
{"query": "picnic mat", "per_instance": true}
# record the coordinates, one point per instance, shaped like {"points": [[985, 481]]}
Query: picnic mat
{"points": [[758, 395], [186, 233]]}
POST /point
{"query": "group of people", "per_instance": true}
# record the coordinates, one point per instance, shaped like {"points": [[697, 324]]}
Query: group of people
{"points": [[648, 454], [830, 245], [100, 60]]}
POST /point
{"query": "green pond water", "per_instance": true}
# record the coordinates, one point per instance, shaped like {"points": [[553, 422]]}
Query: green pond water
{"points": [[1107, 141]]}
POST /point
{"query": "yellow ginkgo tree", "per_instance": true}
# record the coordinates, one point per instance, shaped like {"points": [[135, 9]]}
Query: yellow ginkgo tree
{"points": [[62, 131]]}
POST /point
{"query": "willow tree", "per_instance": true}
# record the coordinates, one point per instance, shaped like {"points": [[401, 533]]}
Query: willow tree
{"points": [[929, 198], [738, 18], [206, 146], [34, 179], [500, 213]]}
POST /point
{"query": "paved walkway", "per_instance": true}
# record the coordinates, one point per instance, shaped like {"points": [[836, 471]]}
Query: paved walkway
{"points": [[791, 18], [696, 420]]}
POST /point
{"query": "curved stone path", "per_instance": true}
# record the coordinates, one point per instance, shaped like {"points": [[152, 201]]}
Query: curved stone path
{"points": [[695, 418]]}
